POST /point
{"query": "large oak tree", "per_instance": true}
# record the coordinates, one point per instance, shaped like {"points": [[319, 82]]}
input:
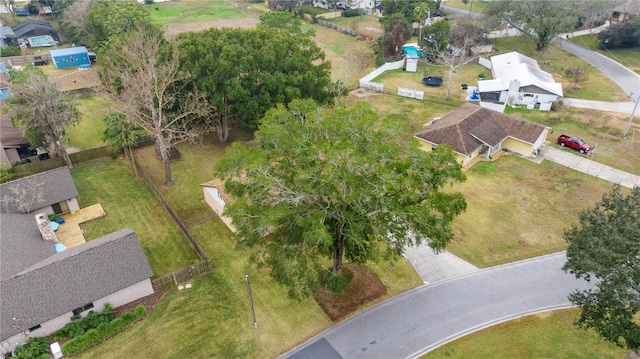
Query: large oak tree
{"points": [[245, 72], [541, 20], [320, 183], [604, 249]]}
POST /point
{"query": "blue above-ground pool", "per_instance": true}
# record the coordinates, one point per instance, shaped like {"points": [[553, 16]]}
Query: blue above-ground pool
{"points": [[412, 51]]}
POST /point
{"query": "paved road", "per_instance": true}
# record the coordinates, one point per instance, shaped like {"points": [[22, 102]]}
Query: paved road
{"points": [[415, 322], [628, 80], [585, 165]]}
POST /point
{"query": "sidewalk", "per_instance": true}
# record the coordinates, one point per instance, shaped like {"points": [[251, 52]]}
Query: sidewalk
{"points": [[433, 267], [623, 107], [585, 165]]}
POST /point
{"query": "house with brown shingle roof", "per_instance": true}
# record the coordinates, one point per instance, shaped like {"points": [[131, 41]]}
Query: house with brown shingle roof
{"points": [[473, 131], [42, 287]]}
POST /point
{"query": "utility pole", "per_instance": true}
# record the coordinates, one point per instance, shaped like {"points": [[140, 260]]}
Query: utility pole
{"points": [[626, 131]]}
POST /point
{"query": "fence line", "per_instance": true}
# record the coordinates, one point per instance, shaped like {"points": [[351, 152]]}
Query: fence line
{"points": [[173, 214], [25, 59], [343, 29], [27, 169], [181, 275]]}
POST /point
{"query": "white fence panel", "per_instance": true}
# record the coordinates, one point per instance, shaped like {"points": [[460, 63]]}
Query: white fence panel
{"points": [[485, 62], [410, 93], [374, 86]]}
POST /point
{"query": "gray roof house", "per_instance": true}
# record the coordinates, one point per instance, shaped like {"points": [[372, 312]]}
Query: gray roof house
{"points": [[41, 287], [52, 191]]}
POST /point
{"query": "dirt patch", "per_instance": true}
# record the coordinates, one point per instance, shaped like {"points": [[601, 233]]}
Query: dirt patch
{"points": [[175, 29], [365, 286], [149, 302]]}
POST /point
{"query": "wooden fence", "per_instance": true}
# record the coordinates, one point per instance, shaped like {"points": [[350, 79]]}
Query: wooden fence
{"points": [[173, 213], [25, 59], [343, 29], [27, 169], [182, 275]]}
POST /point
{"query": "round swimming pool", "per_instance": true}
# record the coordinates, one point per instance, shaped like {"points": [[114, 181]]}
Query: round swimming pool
{"points": [[412, 51]]}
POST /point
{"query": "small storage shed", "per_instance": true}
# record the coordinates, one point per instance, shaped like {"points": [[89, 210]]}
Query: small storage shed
{"points": [[71, 57]]}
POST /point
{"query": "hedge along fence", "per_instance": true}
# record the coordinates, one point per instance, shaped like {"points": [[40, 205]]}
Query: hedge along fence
{"points": [[182, 275], [173, 214]]}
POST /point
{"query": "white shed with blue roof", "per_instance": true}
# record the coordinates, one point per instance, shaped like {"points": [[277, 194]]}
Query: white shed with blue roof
{"points": [[71, 57]]}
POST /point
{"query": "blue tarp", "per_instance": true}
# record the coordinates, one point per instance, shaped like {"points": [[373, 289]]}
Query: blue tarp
{"points": [[60, 247]]}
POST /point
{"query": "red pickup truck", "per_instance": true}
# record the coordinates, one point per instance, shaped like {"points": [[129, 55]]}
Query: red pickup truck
{"points": [[574, 142]]}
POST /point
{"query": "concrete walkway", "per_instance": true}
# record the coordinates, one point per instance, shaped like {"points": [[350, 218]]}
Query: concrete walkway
{"points": [[434, 267], [585, 165], [622, 107]]}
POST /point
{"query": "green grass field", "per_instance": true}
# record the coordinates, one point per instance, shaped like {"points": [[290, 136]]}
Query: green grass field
{"points": [[88, 132], [518, 209], [545, 335], [128, 202], [186, 11], [217, 305]]}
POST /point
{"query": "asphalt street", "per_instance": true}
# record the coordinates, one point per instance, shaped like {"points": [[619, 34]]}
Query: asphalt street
{"points": [[415, 322]]}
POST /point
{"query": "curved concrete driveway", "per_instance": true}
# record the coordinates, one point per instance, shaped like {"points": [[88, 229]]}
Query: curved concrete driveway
{"points": [[585, 165], [415, 322]]}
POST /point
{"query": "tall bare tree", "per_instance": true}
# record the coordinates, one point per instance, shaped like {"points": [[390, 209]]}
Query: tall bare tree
{"points": [[142, 78], [45, 111]]}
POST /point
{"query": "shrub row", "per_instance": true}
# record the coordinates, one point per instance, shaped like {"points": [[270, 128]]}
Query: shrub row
{"points": [[79, 325], [103, 331]]}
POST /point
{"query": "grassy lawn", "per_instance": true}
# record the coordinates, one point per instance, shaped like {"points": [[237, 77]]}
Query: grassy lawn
{"points": [[366, 24], [465, 74], [603, 128], [473, 5], [129, 203], [517, 209], [88, 132], [351, 59], [186, 11], [217, 306], [545, 335], [628, 57]]}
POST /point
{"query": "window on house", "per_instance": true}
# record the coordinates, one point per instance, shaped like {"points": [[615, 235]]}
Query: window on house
{"points": [[528, 95]]}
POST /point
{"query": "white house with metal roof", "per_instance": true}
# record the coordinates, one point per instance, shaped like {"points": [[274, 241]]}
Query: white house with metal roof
{"points": [[518, 80]]}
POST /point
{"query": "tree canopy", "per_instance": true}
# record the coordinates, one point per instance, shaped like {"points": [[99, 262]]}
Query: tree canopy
{"points": [[109, 19], [336, 182], [142, 78], [539, 20], [604, 249], [245, 72]]}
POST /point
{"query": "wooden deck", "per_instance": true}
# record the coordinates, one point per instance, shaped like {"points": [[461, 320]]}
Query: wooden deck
{"points": [[69, 233]]}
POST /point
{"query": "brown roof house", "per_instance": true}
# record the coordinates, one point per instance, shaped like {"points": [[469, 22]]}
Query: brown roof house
{"points": [[473, 131], [42, 285], [14, 146]]}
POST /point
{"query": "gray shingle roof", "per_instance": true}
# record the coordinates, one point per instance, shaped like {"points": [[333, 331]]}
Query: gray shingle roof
{"points": [[58, 187], [70, 279], [466, 128], [21, 244], [26, 26]]}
